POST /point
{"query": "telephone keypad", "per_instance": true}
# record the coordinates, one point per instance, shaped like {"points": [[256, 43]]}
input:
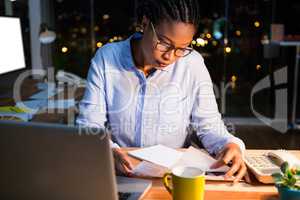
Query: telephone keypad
{"points": [[261, 162]]}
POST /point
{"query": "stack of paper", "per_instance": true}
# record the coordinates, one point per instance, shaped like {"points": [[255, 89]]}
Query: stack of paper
{"points": [[159, 159]]}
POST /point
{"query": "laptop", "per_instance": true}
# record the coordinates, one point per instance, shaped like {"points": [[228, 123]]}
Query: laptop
{"points": [[58, 162]]}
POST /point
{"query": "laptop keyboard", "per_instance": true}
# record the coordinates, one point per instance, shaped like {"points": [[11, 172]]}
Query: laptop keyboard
{"points": [[123, 195]]}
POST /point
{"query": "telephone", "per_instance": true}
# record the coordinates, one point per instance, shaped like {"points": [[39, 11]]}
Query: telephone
{"points": [[70, 78], [263, 165]]}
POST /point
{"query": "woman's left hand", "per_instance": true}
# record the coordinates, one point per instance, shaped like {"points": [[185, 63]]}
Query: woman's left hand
{"points": [[231, 153]]}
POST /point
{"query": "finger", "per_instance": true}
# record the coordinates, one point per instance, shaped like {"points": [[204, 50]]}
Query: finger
{"points": [[123, 169], [217, 164], [224, 159], [234, 168], [242, 171], [247, 177], [126, 162], [128, 172], [123, 158], [228, 157], [119, 169]]}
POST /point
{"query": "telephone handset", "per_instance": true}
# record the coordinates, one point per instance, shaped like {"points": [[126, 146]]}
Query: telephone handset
{"points": [[263, 165], [70, 78], [280, 156]]}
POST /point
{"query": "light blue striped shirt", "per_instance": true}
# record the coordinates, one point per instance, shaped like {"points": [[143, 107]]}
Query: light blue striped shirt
{"points": [[144, 111]]}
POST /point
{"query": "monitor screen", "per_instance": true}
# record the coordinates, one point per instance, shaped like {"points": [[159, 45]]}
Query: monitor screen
{"points": [[11, 45]]}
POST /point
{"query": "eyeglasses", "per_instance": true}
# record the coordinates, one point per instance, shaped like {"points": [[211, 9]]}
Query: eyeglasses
{"points": [[165, 47]]}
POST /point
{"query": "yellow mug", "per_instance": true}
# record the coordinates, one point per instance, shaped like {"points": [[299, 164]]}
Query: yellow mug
{"points": [[185, 183]]}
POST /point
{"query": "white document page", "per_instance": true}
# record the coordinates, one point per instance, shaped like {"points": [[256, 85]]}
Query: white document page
{"points": [[193, 157], [158, 154]]}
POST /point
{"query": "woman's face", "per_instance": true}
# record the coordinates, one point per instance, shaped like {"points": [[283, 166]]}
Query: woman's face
{"points": [[170, 35]]}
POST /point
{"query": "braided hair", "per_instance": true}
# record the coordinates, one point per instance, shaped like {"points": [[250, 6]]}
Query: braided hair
{"points": [[186, 11]]}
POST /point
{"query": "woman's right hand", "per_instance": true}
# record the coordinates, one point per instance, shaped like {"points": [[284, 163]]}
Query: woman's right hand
{"points": [[122, 163]]}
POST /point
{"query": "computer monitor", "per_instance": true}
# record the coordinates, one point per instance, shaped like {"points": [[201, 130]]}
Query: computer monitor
{"points": [[11, 45]]}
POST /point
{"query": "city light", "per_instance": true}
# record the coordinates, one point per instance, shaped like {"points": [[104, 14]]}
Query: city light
{"points": [[233, 81], [64, 49], [218, 35], [238, 32], [256, 24], [83, 30], [214, 43], [194, 42], [96, 28], [258, 67], [105, 17], [99, 44], [200, 42], [73, 44], [208, 35], [227, 49], [265, 39], [233, 78]]}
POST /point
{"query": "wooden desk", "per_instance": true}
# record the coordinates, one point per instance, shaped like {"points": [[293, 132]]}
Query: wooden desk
{"points": [[215, 190]]}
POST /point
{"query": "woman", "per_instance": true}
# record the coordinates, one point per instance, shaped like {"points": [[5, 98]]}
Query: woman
{"points": [[152, 86]]}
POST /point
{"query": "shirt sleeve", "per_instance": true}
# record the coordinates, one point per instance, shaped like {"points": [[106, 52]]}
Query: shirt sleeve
{"points": [[92, 108], [206, 119]]}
